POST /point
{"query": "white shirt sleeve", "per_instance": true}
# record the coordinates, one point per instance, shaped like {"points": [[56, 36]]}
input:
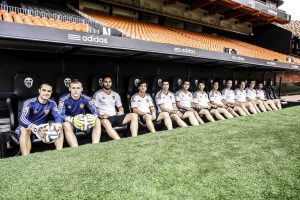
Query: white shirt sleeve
{"points": [[195, 99], [95, 100], [211, 96], [173, 98], [177, 96], [118, 100], [150, 101], [133, 102], [158, 99]]}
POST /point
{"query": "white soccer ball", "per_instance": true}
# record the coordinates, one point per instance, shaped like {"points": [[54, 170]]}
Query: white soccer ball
{"points": [[85, 125], [91, 120], [50, 134], [84, 122]]}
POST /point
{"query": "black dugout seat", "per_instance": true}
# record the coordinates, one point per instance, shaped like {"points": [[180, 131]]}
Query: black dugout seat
{"points": [[194, 84], [156, 85], [208, 85], [26, 86], [222, 84], [62, 84], [271, 94], [247, 83], [176, 84], [235, 84]]}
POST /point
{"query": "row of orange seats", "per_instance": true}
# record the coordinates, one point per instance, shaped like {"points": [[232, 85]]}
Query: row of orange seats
{"points": [[153, 32], [42, 21], [293, 26]]}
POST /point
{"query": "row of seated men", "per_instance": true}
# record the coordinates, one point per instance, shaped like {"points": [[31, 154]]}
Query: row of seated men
{"points": [[107, 109]]}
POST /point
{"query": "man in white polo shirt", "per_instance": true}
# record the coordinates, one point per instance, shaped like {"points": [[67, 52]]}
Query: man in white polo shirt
{"points": [[268, 103], [142, 105], [251, 97], [106, 101], [216, 100], [229, 99], [202, 103], [165, 101], [241, 99], [184, 100]]}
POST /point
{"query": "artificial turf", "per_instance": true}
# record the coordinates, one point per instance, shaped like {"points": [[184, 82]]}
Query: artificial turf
{"points": [[253, 157]]}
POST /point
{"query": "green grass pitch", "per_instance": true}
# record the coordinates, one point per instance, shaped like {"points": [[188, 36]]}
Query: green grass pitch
{"points": [[253, 157]]}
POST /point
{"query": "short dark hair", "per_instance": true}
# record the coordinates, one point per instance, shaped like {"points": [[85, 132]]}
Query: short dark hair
{"points": [[214, 81], [228, 80], [106, 76], [142, 82], [240, 82], [45, 83], [165, 80], [185, 80], [201, 81], [75, 81]]}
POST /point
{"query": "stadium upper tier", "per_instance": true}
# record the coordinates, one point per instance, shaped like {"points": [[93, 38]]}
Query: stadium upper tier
{"points": [[293, 26], [53, 10], [155, 33], [38, 18]]}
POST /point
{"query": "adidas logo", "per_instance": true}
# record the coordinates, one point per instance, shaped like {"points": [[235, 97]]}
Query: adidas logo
{"points": [[184, 50], [94, 39]]}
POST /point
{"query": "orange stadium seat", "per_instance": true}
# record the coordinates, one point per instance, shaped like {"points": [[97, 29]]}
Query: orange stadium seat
{"points": [[153, 32], [42, 21], [293, 26]]}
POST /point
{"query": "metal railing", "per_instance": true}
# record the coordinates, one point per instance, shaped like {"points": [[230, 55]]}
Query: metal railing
{"points": [[88, 20], [42, 14]]}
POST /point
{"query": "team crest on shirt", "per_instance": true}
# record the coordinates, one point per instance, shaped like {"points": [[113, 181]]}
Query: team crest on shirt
{"points": [[113, 97], [46, 111], [81, 105], [35, 112], [147, 100], [170, 97], [69, 107], [103, 97]]}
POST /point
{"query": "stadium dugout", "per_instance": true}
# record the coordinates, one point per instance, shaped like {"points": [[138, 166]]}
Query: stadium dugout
{"points": [[56, 41]]}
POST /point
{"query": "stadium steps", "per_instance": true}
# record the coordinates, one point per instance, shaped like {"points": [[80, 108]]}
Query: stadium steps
{"points": [[11, 16]]}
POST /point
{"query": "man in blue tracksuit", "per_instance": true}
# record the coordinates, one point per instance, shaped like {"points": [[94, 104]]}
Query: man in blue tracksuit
{"points": [[36, 111], [75, 103]]}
